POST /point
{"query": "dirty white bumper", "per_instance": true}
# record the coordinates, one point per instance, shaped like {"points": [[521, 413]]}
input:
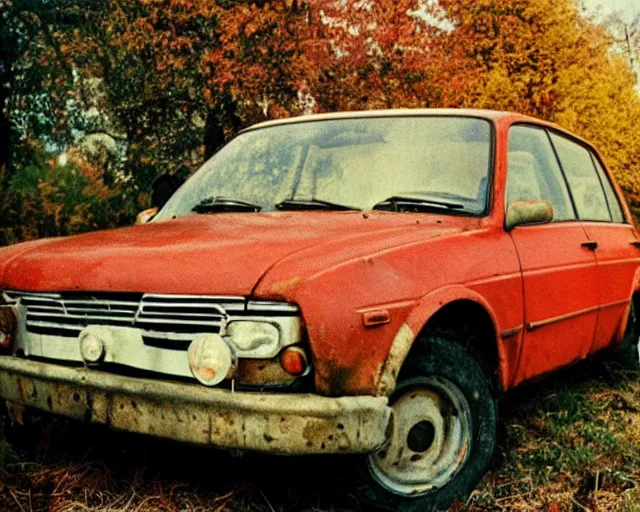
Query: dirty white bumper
{"points": [[266, 422]]}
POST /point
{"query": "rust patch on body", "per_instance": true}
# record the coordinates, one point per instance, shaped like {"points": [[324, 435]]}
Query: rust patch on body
{"points": [[263, 372], [15, 412], [334, 380], [285, 287]]}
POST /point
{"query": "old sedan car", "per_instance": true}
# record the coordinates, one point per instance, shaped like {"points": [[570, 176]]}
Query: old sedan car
{"points": [[361, 283]]}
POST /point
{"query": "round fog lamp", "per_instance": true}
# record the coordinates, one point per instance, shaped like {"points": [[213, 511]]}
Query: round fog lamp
{"points": [[211, 360], [91, 348]]}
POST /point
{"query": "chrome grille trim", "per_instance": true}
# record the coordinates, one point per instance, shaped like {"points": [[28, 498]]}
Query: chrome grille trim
{"points": [[266, 306], [158, 316], [52, 325], [146, 331], [176, 322], [55, 314]]}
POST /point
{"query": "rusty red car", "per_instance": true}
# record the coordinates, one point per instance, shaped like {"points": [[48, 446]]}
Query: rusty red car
{"points": [[364, 283]]}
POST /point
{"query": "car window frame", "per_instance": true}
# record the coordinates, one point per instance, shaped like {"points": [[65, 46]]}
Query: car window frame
{"points": [[590, 150], [603, 173], [493, 160], [491, 163], [545, 130]]}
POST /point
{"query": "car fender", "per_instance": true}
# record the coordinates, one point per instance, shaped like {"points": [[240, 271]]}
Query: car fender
{"points": [[424, 310]]}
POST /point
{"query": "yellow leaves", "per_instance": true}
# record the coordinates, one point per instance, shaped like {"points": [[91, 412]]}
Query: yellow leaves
{"points": [[599, 103], [499, 91]]}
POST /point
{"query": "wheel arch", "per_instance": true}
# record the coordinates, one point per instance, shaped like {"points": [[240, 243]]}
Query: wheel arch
{"points": [[443, 305]]}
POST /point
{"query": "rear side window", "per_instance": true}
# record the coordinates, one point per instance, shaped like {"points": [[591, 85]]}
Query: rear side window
{"points": [[584, 183], [533, 172], [612, 198]]}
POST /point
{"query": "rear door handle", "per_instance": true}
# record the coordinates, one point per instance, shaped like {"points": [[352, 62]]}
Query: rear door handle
{"points": [[590, 245], [635, 243]]}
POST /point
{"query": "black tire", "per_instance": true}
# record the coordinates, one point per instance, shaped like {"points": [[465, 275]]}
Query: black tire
{"points": [[440, 358], [626, 354]]}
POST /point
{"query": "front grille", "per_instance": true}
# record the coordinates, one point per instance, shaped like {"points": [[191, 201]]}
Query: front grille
{"points": [[167, 321]]}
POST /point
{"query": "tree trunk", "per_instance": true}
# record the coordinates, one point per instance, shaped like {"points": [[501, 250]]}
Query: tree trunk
{"points": [[221, 118]]}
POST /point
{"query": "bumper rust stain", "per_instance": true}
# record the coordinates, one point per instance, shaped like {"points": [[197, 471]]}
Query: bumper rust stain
{"points": [[265, 422]]}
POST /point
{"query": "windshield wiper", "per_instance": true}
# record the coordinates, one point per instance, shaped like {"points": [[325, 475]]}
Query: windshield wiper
{"points": [[312, 204], [404, 203], [217, 204]]}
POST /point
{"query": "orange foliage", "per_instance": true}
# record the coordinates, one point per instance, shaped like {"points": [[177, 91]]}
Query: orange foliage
{"points": [[166, 65]]}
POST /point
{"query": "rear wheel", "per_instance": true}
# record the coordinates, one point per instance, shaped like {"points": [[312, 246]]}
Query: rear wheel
{"points": [[628, 352], [443, 432]]}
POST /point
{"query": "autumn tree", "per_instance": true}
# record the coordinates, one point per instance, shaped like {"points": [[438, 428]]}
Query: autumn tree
{"points": [[160, 84], [39, 98], [545, 59], [539, 57], [625, 30], [181, 77], [389, 54]]}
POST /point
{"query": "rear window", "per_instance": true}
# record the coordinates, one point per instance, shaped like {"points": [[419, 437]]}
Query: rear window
{"points": [[583, 180], [612, 198]]}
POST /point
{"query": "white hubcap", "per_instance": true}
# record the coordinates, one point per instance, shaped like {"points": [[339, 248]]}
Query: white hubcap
{"points": [[430, 438]]}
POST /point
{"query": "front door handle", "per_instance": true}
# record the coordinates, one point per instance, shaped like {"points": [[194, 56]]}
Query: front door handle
{"points": [[590, 245]]}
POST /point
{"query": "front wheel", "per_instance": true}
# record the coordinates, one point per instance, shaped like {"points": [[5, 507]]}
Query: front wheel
{"points": [[443, 432]]}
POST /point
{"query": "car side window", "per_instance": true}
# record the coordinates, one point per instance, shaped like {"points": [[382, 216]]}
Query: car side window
{"points": [[584, 183], [612, 198], [533, 172]]}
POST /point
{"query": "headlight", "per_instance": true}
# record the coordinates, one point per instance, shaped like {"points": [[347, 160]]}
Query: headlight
{"points": [[254, 338]]}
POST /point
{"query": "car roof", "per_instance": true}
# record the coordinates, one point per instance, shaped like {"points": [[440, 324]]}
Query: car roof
{"points": [[400, 112], [491, 115]]}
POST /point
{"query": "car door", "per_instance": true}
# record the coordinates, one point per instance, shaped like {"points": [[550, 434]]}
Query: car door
{"points": [[613, 237], [557, 260]]}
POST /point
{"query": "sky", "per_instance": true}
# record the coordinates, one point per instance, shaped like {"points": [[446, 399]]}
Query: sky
{"points": [[630, 8]]}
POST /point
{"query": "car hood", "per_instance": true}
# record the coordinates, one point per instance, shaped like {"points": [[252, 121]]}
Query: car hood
{"points": [[221, 254]]}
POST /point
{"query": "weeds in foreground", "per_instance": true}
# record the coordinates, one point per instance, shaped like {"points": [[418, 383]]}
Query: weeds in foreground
{"points": [[571, 443]]}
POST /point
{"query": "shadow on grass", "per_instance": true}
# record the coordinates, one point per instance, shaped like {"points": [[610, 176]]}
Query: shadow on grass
{"points": [[71, 457]]}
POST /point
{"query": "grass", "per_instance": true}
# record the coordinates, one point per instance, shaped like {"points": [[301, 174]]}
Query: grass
{"points": [[568, 443], [571, 442]]}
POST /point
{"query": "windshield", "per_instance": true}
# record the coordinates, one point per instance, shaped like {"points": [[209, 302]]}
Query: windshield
{"points": [[354, 163]]}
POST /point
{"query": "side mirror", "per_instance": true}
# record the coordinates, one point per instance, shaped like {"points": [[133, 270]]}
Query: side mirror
{"points": [[521, 213], [145, 216]]}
